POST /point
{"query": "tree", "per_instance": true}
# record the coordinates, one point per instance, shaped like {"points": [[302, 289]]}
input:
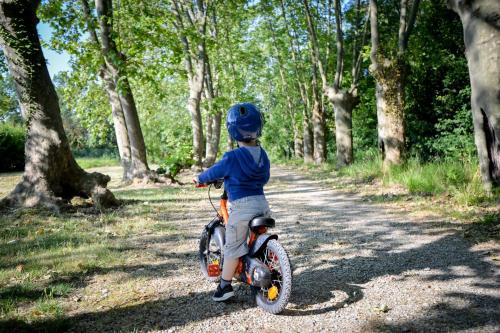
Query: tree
{"points": [[51, 172], [121, 132], [284, 80], [318, 113], [307, 135], [191, 25], [211, 92], [116, 63], [481, 25], [343, 100], [389, 72]]}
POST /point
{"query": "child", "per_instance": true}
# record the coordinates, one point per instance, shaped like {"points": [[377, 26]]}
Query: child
{"points": [[245, 171]]}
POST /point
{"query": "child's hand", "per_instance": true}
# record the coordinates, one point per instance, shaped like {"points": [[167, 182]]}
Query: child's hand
{"points": [[197, 183]]}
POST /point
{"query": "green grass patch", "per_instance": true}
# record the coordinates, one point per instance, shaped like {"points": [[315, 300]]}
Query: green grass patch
{"points": [[46, 257], [95, 162], [365, 168], [458, 180]]}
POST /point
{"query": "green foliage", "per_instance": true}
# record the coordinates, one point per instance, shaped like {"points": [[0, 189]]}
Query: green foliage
{"points": [[9, 108], [176, 161], [86, 119], [12, 139]]}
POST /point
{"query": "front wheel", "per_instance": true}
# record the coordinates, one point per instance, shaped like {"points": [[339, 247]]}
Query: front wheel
{"points": [[210, 251], [275, 298]]}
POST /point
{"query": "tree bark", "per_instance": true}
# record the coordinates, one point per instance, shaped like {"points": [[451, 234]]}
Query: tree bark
{"points": [[389, 92], [390, 80], [213, 120], [344, 101], [119, 123], [302, 141], [51, 173], [318, 123], [308, 131], [194, 60], [195, 82], [116, 63], [481, 25], [318, 114]]}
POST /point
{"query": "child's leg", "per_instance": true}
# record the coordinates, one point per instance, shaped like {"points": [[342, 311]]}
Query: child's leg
{"points": [[241, 212], [229, 268]]}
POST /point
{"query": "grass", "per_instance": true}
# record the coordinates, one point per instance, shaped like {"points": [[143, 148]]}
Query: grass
{"points": [[456, 184], [45, 258], [95, 162]]}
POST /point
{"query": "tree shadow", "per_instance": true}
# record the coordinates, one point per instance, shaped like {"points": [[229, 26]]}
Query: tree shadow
{"points": [[481, 312]]}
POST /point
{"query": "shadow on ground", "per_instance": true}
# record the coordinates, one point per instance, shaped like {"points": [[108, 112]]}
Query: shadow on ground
{"points": [[320, 286]]}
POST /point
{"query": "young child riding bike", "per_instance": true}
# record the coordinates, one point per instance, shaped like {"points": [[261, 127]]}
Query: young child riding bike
{"points": [[245, 171]]}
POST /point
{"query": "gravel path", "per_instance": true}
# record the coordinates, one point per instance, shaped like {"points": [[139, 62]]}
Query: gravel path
{"points": [[358, 267]]}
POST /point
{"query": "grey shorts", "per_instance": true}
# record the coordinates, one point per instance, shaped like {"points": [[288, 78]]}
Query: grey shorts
{"points": [[241, 211]]}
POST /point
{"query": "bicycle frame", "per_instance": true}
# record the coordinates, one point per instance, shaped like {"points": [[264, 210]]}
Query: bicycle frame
{"points": [[223, 213]]}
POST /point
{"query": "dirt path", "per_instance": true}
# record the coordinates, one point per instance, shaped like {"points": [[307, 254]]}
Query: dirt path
{"points": [[358, 267]]}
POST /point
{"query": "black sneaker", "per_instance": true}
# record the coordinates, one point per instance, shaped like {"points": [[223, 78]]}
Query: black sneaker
{"points": [[222, 294]]}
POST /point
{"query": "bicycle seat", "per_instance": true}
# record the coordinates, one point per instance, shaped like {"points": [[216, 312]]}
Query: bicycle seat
{"points": [[261, 221]]}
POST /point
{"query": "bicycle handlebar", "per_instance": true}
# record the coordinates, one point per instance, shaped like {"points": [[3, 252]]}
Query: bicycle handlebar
{"points": [[217, 183]]}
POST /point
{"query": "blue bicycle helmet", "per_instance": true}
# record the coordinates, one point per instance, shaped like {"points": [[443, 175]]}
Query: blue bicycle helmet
{"points": [[244, 122]]}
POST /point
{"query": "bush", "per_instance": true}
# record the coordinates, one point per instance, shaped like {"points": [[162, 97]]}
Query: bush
{"points": [[175, 162], [12, 139]]}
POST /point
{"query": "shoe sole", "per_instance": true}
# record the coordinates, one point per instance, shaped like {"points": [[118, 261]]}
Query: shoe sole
{"points": [[224, 297]]}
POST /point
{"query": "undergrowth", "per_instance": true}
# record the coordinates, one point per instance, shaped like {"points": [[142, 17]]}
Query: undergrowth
{"points": [[457, 180]]}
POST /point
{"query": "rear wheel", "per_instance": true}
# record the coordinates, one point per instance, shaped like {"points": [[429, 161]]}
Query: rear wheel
{"points": [[209, 252], [275, 298]]}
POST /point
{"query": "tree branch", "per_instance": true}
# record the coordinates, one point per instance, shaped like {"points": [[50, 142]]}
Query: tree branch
{"points": [[89, 21], [356, 70], [340, 47], [314, 44], [375, 39], [411, 23], [402, 26]]}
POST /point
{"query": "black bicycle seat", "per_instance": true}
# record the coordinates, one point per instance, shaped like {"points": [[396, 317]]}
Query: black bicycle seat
{"points": [[261, 221]]}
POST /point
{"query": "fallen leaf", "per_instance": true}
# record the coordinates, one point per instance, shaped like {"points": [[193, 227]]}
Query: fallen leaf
{"points": [[20, 268]]}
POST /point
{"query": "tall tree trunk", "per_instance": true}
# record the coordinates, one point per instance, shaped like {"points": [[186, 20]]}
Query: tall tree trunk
{"points": [[302, 140], [344, 103], [195, 82], [481, 24], [389, 93], [389, 75], [213, 120], [50, 172], [116, 63], [318, 123], [119, 123], [318, 114], [308, 131], [194, 60], [213, 147], [118, 116]]}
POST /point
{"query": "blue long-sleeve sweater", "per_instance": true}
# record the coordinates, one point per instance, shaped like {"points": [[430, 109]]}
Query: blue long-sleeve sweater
{"points": [[243, 175]]}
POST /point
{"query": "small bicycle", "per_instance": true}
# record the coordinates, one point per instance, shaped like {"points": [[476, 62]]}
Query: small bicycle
{"points": [[266, 268]]}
